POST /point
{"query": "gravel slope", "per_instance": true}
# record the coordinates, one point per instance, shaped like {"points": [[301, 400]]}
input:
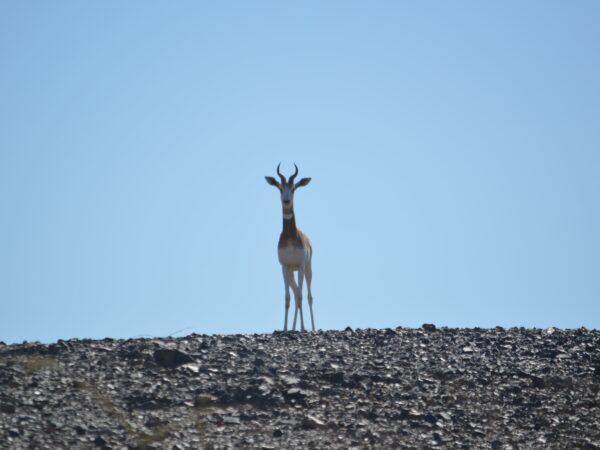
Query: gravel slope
{"points": [[403, 388]]}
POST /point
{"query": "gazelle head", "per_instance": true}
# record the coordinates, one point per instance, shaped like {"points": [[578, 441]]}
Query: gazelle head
{"points": [[287, 189]]}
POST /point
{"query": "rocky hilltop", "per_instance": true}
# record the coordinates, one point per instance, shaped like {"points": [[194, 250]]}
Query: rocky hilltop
{"points": [[394, 388]]}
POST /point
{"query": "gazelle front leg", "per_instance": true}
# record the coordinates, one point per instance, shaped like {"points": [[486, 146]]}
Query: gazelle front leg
{"points": [[298, 296], [286, 281], [295, 290]]}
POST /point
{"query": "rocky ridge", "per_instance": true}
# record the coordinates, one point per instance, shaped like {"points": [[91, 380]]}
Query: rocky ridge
{"points": [[394, 388]]}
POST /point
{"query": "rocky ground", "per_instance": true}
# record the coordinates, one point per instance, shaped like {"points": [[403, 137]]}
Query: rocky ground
{"points": [[392, 388]]}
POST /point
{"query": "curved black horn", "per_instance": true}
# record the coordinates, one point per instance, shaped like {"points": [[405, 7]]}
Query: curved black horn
{"points": [[295, 173], [279, 173]]}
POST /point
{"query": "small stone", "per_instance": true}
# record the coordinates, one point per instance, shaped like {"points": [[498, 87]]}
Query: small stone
{"points": [[192, 368], [311, 422], [428, 327], [277, 433], [445, 416], [289, 380], [230, 420]]}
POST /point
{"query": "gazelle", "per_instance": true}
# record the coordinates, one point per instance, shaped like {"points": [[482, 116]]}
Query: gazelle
{"points": [[294, 249]]}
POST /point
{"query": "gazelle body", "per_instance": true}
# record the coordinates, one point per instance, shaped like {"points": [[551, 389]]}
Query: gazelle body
{"points": [[294, 250]]}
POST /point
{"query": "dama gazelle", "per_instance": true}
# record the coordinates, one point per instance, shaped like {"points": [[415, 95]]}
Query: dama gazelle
{"points": [[294, 249]]}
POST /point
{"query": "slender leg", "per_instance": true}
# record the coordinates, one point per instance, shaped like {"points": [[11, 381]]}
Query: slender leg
{"points": [[295, 290], [308, 275], [295, 315], [299, 297], [286, 282]]}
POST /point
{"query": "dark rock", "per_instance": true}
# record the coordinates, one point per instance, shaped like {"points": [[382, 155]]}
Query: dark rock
{"points": [[429, 418], [153, 421], [143, 401], [100, 441], [429, 327], [335, 377], [170, 358], [277, 433], [537, 382], [7, 408]]}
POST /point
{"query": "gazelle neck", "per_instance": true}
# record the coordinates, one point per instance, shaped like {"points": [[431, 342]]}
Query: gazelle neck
{"points": [[289, 222]]}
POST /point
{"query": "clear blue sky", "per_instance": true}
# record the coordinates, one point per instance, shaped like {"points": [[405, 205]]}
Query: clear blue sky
{"points": [[454, 150]]}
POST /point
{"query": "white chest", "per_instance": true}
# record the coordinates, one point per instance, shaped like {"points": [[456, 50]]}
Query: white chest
{"points": [[292, 256]]}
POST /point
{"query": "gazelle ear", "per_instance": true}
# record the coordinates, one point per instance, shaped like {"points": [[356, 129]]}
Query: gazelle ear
{"points": [[273, 182], [302, 182]]}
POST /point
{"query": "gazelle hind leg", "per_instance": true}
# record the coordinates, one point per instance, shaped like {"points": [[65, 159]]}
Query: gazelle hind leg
{"points": [[308, 275], [286, 281], [299, 297], [295, 290]]}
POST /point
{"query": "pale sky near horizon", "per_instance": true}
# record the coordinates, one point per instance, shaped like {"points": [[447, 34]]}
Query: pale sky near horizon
{"points": [[454, 150]]}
